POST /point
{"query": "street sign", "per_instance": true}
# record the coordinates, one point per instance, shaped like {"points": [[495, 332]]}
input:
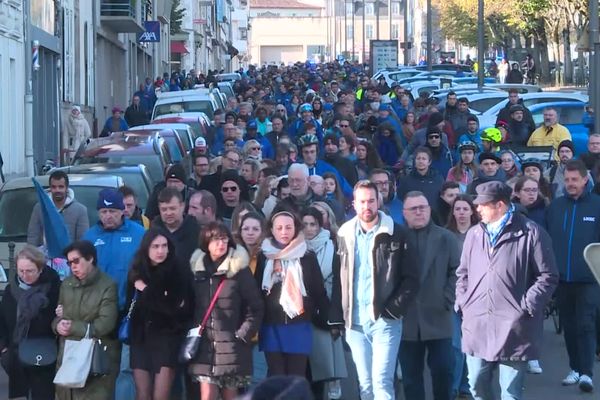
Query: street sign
{"points": [[383, 54], [151, 32]]}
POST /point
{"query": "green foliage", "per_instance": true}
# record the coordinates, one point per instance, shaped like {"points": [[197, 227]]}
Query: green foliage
{"points": [[177, 14]]}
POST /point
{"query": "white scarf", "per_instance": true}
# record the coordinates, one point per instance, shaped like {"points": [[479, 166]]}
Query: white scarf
{"points": [[290, 274], [323, 248]]}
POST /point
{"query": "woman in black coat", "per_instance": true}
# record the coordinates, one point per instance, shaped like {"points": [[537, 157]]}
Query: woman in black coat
{"points": [[294, 293], [223, 362], [27, 310], [161, 314]]}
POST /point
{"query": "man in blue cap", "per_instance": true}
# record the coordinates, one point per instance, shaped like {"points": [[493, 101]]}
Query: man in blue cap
{"points": [[252, 134], [116, 240]]}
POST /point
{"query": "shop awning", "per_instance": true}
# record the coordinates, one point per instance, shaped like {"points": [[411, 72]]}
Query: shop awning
{"points": [[178, 48]]}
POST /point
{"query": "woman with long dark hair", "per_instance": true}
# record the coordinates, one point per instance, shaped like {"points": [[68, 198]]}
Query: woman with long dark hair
{"points": [[160, 285], [366, 159], [463, 216], [223, 363], [294, 293]]}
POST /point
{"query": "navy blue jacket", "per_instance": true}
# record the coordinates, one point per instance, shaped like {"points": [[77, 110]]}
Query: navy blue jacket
{"points": [[572, 225]]}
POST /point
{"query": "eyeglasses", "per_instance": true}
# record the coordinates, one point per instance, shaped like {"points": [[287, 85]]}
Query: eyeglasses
{"points": [[74, 261], [530, 190], [226, 189], [421, 208], [202, 165], [382, 183]]}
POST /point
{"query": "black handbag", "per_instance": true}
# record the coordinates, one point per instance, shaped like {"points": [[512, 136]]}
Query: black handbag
{"points": [[125, 327], [38, 352], [100, 362], [191, 342]]}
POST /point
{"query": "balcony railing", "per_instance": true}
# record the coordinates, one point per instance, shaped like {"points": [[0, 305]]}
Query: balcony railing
{"points": [[121, 15]]}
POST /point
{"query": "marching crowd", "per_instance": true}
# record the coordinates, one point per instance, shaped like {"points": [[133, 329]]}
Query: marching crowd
{"points": [[325, 212]]}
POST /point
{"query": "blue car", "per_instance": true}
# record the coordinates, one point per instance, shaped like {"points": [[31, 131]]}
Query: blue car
{"points": [[570, 115]]}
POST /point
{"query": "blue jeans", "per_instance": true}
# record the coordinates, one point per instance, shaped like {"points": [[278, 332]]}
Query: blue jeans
{"points": [[460, 384], [259, 366], [440, 359], [375, 348], [511, 376], [125, 386]]}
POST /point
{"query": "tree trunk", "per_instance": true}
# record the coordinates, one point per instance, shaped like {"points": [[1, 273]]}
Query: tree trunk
{"points": [[541, 43], [568, 56]]}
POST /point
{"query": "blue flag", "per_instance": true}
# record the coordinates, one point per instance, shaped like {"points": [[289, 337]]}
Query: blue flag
{"points": [[55, 230]]}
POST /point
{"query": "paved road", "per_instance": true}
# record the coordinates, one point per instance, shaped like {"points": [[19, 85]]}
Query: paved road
{"points": [[538, 387]]}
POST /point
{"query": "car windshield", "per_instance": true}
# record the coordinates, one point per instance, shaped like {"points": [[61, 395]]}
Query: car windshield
{"points": [[183, 134], [152, 162], [16, 207], [204, 106]]}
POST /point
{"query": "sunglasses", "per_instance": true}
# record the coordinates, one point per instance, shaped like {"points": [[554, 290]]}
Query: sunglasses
{"points": [[74, 261], [226, 189], [254, 148]]}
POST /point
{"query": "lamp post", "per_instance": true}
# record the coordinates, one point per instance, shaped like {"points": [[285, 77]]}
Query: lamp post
{"points": [[480, 45], [429, 38], [595, 61]]}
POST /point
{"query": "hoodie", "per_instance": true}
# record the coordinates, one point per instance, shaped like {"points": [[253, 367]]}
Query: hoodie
{"points": [[74, 214]]}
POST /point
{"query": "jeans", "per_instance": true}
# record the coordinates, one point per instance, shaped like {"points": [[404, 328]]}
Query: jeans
{"points": [[481, 372], [259, 366], [125, 386], [460, 384], [577, 308], [375, 348], [440, 360]]}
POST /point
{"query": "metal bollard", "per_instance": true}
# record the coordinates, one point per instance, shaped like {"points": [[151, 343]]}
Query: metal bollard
{"points": [[11, 261]]}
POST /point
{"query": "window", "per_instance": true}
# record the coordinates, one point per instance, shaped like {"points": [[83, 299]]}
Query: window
{"points": [[396, 8], [243, 33], [369, 9], [349, 31], [395, 28], [349, 8], [570, 115], [369, 31]]}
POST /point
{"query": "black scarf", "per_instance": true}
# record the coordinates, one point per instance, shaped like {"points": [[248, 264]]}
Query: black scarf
{"points": [[29, 303]]}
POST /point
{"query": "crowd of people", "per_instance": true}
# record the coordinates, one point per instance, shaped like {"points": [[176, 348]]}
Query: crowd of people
{"points": [[307, 229]]}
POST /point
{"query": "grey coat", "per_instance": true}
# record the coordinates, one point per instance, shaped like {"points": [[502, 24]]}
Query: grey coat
{"points": [[502, 290], [74, 214], [430, 316]]}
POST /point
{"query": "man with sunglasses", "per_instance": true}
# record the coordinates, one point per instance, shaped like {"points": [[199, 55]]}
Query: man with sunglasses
{"points": [[252, 133]]}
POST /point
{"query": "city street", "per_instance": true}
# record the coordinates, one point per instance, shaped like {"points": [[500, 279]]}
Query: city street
{"points": [[538, 387]]}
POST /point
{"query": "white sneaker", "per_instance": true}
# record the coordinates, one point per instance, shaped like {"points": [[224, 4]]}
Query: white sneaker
{"points": [[571, 379], [585, 384], [533, 367], [334, 390]]}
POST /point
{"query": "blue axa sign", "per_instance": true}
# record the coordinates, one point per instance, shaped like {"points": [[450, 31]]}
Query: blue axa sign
{"points": [[151, 32]]}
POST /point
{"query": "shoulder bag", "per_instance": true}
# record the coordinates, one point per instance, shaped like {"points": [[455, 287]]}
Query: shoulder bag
{"points": [[37, 352], [192, 340], [125, 327]]}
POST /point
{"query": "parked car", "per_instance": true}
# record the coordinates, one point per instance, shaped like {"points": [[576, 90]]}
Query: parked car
{"points": [[136, 177], [395, 75], [196, 100], [179, 144], [570, 114], [152, 151], [488, 117], [231, 77], [479, 101], [198, 121], [18, 196], [226, 88]]}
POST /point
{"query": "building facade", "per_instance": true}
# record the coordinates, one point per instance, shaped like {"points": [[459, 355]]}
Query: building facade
{"points": [[12, 67]]}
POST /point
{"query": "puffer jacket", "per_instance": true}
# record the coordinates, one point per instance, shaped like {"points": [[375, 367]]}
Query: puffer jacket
{"points": [[395, 280], [90, 301], [226, 348]]}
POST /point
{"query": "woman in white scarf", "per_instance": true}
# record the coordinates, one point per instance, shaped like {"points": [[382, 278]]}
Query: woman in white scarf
{"points": [[294, 295], [327, 359]]}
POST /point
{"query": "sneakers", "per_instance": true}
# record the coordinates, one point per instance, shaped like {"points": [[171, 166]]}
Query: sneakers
{"points": [[334, 390], [571, 379], [533, 367], [585, 384]]}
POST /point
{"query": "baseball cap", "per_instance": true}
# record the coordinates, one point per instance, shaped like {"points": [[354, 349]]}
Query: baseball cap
{"points": [[110, 198], [200, 142]]}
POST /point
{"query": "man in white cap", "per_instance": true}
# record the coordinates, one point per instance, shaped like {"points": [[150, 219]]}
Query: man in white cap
{"points": [[200, 147]]}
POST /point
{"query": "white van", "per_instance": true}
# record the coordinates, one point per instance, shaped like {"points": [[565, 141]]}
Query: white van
{"points": [[196, 100]]}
